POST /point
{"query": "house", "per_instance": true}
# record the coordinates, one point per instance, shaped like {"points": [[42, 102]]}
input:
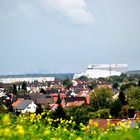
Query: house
{"points": [[55, 96], [24, 106], [85, 94], [105, 86], [73, 101], [2, 94], [44, 101]]}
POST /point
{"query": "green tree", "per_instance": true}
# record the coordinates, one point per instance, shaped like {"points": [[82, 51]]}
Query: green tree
{"points": [[24, 86], [101, 98], [42, 91], [67, 83], [124, 112], [91, 84], [83, 78], [115, 108], [122, 97], [8, 89], [115, 85], [49, 84], [60, 113], [39, 109], [102, 113], [18, 87], [117, 79], [21, 92], [139, 83], [127, 85], [79, 114], [14, 89], [133, 97]]}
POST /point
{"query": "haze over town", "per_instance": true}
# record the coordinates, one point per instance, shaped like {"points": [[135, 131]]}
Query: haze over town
{"points": [[54, 36]]}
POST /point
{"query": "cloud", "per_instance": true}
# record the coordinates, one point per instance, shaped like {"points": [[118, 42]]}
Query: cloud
{"points": [[73, 11]]}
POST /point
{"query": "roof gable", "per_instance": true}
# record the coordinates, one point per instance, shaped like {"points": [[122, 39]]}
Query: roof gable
{"points": [[23, 104]]}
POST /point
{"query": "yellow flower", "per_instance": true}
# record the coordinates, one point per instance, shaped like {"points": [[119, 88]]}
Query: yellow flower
{"points": [[53, 139], [71, 117], [128, 127], [96, 124], [59, 127], [129, 122], [93, 132], [65, 129], [113, 125], [108, 122], [48, 113], [78, 138], [87, 127], [90, 122], [43, 113], [99, 115], [47, 131], [6, 120], [66, 121], [7, 132], [62, 121], [84, 128], [70, 121], [20, 130], [71, 135]]}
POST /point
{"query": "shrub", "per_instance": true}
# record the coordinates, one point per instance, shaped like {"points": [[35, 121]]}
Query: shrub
{"points": [[102, 113]]}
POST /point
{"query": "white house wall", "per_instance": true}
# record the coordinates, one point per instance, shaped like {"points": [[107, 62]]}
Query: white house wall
{"points": [[30, 108]]}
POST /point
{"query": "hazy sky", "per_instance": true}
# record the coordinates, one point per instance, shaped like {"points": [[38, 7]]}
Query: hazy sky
{"points": [[47, 36]]}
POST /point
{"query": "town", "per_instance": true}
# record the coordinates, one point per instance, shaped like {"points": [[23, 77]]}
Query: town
{"points": [[30, 95], [89, 104]]}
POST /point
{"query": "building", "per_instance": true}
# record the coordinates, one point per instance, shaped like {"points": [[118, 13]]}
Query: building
{"points": [[24, 106], [73, 101], [103, 70], [26, 79]]}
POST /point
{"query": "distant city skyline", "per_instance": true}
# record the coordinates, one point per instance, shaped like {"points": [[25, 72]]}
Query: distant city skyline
{"points": [[64, 36]]}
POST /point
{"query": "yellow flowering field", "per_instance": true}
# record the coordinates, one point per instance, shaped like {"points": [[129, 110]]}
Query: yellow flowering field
{"points": [[42, 127]]}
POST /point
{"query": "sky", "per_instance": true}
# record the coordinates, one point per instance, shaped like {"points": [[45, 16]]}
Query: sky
{"points": [[58, 36]]}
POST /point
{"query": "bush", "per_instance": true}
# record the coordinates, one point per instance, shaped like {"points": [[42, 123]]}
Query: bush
{"points": [[102, 113]]}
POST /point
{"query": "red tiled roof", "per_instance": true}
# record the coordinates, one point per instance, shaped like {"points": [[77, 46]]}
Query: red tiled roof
{"points": [[103, 123], [105, 86], [73, 101], [55, 96], [84, 94], [17, 102], [137, 114]]}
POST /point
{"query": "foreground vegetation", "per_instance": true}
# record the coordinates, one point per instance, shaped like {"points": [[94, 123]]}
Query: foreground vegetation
{"points": [[41, 126]]}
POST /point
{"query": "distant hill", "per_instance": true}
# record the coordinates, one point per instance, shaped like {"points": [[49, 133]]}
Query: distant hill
{"points": [[133, 72]]}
